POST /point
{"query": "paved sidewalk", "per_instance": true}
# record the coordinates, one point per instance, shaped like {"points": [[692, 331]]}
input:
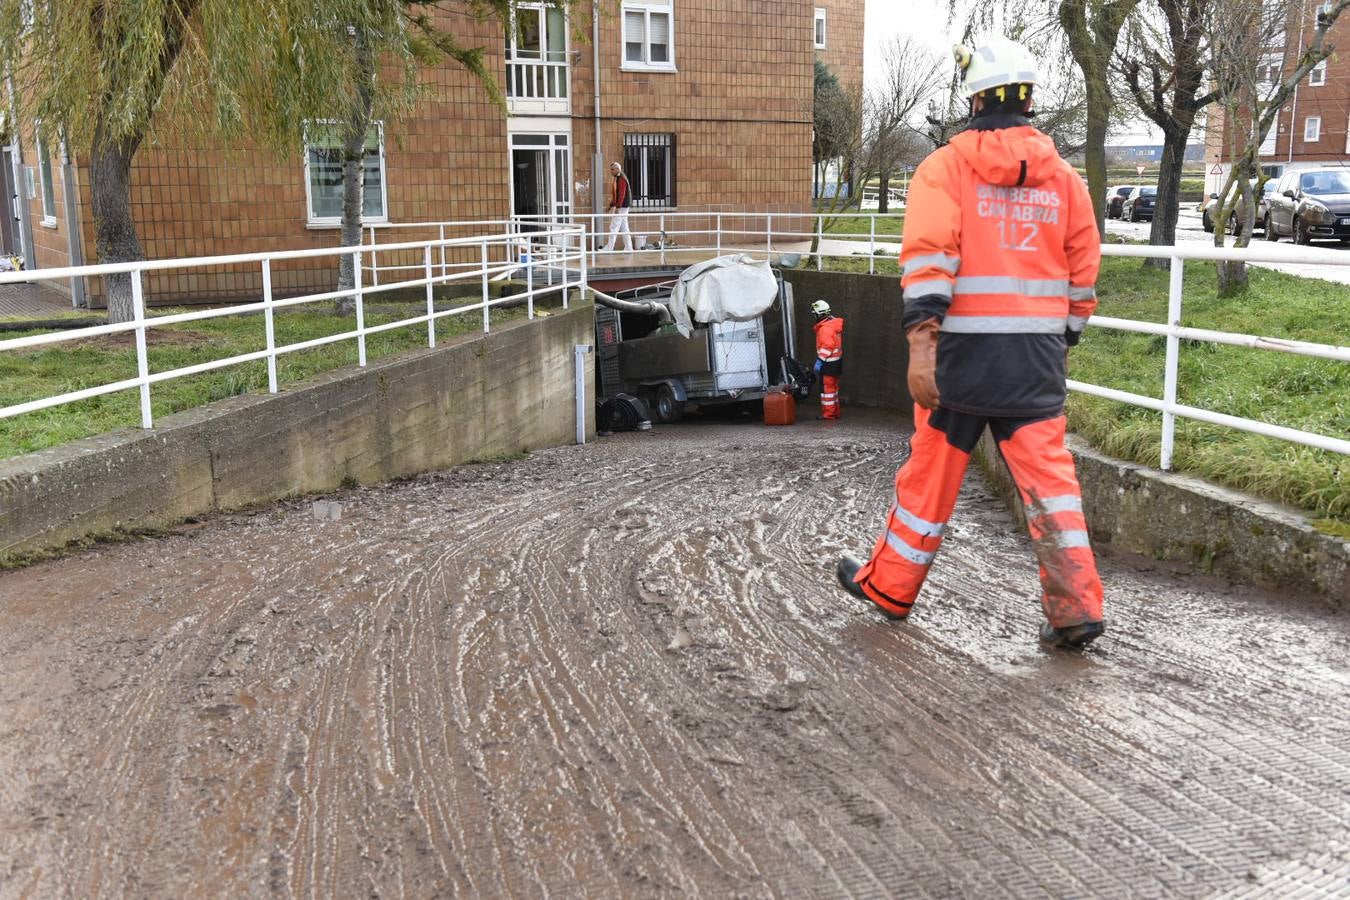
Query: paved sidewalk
{"points": [[32, 301]]}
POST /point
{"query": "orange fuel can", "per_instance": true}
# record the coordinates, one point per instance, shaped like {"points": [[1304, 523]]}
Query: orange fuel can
{"points": [[780, 408]]}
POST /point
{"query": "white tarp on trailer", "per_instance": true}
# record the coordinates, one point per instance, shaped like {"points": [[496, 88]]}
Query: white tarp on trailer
{"points": [[735, 288]]}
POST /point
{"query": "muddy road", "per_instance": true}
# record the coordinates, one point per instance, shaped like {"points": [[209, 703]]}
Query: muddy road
{"points": [[625, 670]]}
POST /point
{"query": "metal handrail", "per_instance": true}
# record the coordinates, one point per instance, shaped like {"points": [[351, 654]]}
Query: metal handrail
{"points": [[573, 278], [725, 230], [572, 250]]}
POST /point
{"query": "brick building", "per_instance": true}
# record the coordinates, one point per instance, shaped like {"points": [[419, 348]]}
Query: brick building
{"points": [[1312, 129], [707, 101]]}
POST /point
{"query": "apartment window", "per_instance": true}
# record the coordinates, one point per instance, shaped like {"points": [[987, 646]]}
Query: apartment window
{"points": [[323, 174], [648, 35], [1318, 76], [649, 160], [820, 28], [48, 186], [1347, 136], [1312, 128]]}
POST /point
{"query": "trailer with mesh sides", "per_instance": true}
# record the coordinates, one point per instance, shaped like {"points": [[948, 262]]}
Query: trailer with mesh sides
{"points": [[720, 363]]}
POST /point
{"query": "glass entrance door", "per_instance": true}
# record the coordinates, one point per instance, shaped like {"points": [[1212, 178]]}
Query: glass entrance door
{"points": [[541, 188]]}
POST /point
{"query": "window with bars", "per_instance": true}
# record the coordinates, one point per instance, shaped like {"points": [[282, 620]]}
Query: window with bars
{"points": [[649, 34], [649, 161]]}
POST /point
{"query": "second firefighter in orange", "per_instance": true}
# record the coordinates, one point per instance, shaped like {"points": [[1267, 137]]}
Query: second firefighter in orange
{"points": [[829, 357]]}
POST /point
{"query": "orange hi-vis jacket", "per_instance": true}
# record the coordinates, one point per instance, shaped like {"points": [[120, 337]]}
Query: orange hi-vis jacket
{"points": [[1000, 246], [830, 345]]}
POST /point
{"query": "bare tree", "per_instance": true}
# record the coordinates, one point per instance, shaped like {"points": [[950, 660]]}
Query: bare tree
{"points": [[1257, 73], [910, 76], [1092, 29], [1165, 66]]}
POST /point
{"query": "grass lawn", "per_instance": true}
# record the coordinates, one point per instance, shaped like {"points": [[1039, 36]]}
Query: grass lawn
{"points": [[54, 369], [1298, 392], [889, 226]]}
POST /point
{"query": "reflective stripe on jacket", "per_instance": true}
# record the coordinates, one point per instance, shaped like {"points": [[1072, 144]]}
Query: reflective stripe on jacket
{"points": [[1000, 246], [830, 344]]}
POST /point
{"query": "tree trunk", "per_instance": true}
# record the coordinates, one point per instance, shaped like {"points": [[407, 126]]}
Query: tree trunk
{"points": [[1098, 119], [884, 199], [353, 167], [115, 231], [1232, 278], [1167, 205]]}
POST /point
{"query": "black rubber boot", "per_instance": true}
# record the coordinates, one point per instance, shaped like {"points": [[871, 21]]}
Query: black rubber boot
{"points": [[1074, 637], [847, 571]]}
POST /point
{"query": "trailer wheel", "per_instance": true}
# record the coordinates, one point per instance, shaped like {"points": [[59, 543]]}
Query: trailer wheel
{"points": [[668, 409]]}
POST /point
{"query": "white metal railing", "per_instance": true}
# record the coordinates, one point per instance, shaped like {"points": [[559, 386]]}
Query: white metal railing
{"points": [[686, 237], [495, 261], [553, 255]]}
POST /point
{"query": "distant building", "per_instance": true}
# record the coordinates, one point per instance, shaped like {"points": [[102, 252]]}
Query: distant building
{"points": [[1150, 153], [1312, 129]]}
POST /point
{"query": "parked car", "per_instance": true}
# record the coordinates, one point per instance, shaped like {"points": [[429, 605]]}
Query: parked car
{"points": [[1115, 199], [1262, 208], [1139, 203], [1308, 204]]}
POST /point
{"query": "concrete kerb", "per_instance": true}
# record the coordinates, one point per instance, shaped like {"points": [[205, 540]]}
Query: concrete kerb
{"points": [[1193, 525], [473, 397]]}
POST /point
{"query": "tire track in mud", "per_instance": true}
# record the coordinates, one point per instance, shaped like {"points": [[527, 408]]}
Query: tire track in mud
{"points": [[625, 669]]}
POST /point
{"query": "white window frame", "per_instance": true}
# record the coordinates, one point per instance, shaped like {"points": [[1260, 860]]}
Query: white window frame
{"points": [[1312, 129], [46, 183], [1318, 75], [820, 27], [646, 8], [1347, 135], [314, 221]]}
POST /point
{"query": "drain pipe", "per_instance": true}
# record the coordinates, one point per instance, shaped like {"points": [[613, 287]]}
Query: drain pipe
{"points": [[74, 244], [598, 158], [579, 354]]}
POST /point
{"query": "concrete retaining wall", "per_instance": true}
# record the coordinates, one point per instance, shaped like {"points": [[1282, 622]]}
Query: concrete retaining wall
{"points": [[875, 352], [1196, 526], [476, 397]]}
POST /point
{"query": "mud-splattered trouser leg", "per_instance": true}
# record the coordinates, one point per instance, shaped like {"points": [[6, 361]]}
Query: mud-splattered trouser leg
{"points": [[1043, 470], [925, 493], [829, 396]]}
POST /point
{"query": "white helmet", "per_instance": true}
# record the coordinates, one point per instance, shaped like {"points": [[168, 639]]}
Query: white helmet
{"points": [[996, 62], [820, 308]]}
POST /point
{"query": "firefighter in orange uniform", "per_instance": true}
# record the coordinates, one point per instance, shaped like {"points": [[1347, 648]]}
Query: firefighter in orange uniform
{"points": [[829, 357], [999, 260]]}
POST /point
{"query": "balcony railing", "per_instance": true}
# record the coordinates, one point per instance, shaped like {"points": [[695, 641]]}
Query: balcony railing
{"points": [[538, 82]]}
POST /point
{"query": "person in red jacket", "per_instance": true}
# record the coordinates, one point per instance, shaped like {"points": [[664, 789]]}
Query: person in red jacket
{"points": [[829, 357], [1000, 260], [620, 199]]}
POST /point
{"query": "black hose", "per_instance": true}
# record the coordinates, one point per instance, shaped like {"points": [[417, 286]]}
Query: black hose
{"points": [[617, 415]]}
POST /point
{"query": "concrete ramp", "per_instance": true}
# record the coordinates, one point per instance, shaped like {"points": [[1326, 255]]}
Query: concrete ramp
{"points": [[613, 670]]}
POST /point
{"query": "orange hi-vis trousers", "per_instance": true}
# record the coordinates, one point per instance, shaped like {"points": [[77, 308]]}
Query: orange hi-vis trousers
{"points": [[925, 493], [829, 396]]}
